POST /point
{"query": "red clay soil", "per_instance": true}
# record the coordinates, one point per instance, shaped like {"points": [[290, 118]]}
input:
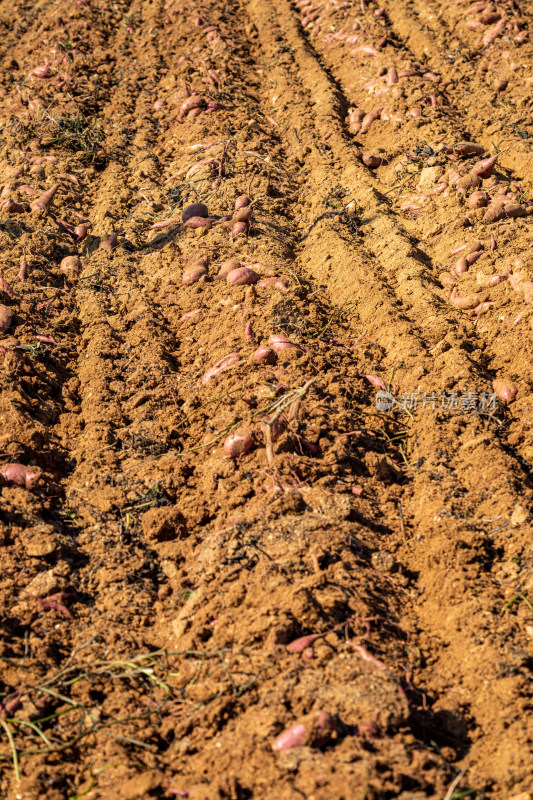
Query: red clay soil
{"points": [[266, 535]]}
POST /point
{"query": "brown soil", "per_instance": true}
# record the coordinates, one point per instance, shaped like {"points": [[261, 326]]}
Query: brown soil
{"points": [[150, 583]]}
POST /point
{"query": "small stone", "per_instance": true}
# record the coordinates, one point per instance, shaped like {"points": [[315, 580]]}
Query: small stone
{"points": [[500, 84], [428, 177], [44, 584], [519, 515], [39, 542], [382, 561], [169, 569]]}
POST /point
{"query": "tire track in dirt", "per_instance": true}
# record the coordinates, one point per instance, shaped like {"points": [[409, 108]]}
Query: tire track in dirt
{"points": [[494, 330], [443, 579], [431, 245], [426, 35], [73, 550], [380, 225], [110, 287]]}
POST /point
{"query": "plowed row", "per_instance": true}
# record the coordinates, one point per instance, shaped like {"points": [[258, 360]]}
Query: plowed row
{"points": [[155, 590]]}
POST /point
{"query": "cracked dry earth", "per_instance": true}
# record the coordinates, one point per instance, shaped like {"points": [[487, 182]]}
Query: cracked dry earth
{"points": [[230, 568]]}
